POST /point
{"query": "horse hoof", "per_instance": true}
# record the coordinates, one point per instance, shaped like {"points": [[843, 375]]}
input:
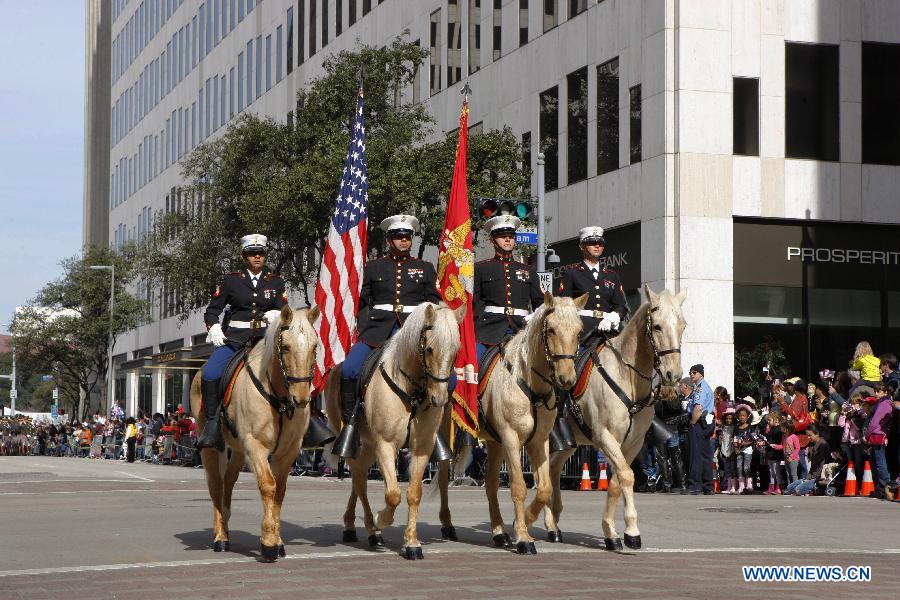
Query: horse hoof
{"points": [[281, 552], [376, 541], [220, 546], [525, 548], [502, 540], [554, 537], [613, 544], [449, 533], [410, 553], [350, 535], [269, 553], [633, 541]]}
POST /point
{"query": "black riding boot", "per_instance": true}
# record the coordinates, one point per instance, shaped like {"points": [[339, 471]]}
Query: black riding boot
{"points": [[665, 468], [677, 466], [211, 437], [561, 436], [347, 443]]}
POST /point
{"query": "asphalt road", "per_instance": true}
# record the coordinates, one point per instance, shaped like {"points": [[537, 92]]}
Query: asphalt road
{"points": [[114, 530]]}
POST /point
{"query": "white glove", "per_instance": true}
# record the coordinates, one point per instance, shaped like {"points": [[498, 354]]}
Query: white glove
{"points": [[614, 318], [605, 324], [216, 336], [529, 316], [271, 316]]}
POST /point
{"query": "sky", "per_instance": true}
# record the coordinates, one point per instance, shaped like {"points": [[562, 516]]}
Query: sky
{"points": [[41, 144]]}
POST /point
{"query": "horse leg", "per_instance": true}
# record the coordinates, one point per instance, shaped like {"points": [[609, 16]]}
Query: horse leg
{"points": [[412, 548], [359, 468], [280, 470], [212, 464], [385, 455], [265, 481], [554, 509], [448, 531], [623, 476], [491, 486], [538, 452], [232, 471], [518, 491]]}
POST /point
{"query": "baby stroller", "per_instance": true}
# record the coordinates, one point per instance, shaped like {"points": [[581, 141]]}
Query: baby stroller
{"points": [[828, 483]]}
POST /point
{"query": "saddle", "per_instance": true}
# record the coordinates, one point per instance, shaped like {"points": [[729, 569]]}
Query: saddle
{"points": [[584, 364], [365, 374], [486, 366], [229, 375]]}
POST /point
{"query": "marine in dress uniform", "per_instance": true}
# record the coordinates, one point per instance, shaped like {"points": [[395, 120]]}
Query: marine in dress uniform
{"points": [[392, 287], [505, 290], [254, 294], [606, 305]]}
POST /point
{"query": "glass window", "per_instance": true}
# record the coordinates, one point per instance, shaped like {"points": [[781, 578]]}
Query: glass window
{"points": [[526, 160], [881, 103], [259, 66], [434, 78], [249, 72], [268, 62], [549, 132], [474, 35], [811, 101], [351, 10], [312, 27], [577, 92], [576, 7], [367, 6], [454, 43], [746, 116], [289, 47], [848, 308], [523, 22], [324, 23], [215, 20], [180, 120], [417, 80], [496, 45], [301, 31], [215, 103], [209, 29], [635, 94], [338, 17], [240, 81], [224, 14], [231, 93], [193, 42], [231, 15], [279, 64], [551, 14], [202, 42], [193, 143], [608, 116], [206, 123], [240, 10], [768, 304], [222, 94]]}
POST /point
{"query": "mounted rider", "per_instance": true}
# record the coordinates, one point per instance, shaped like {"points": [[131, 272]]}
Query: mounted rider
{"points": [[606, 308], [392, 287], [255, 296], [505, 290]]}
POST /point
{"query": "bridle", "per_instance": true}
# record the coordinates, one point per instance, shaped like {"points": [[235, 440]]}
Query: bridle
{"points": [[418, 394], [551, 358], [657, 353], [283, 404]]}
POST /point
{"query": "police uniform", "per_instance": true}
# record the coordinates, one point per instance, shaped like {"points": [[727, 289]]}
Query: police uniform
{"points": [[392, 287], [505, 291], [602, 284]]}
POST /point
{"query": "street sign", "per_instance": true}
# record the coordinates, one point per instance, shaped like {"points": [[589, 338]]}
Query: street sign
{"points": [[54, 412], [527, 235], [55, 394], [546, 280], [13, 394]]}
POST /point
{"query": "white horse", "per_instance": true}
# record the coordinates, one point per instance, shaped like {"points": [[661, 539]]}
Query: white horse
{"points": [[616, 406]]}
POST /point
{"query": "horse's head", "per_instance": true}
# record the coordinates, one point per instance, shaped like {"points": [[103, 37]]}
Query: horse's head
{"points": [[560, 328], [665, 328], [438, 345], [292, 343]]}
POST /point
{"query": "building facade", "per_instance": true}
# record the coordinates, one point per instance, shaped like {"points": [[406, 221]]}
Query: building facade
{"points": [[744, 150]]}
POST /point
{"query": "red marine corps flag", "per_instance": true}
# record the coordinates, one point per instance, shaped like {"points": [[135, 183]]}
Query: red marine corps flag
{"points": [[456, 271]]}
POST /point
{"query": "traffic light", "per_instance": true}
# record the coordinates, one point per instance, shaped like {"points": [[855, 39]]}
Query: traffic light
{"points": [[491, 207]]}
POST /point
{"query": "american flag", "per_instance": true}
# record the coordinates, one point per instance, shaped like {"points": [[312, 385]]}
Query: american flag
{"points": [[340, 276]]}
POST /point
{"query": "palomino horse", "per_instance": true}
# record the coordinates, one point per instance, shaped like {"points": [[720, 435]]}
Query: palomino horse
{"points": [[615, 407], [269, 410], [403, 405], [519, 404]]}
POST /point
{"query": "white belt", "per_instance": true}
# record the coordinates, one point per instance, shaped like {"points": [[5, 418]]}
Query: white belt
{"points": [[596, 314], [508, 311], [398, 308], [247, 324]]}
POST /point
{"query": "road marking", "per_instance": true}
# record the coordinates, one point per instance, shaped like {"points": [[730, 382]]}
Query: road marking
{"points": [[430, 550], [131, 490], [67, 481], [137, 476]]}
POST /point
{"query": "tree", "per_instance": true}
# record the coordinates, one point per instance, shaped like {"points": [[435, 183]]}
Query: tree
{"points": [[65, 330], [280, 179], [748, 366]]}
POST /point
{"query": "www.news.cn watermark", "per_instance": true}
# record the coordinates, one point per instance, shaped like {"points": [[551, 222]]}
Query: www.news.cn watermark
{"points": [[807, 573]]}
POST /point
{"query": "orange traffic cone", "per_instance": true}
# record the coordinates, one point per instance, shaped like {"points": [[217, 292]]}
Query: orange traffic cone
{"points": [[868, 485], [585, 478], [602, 481], [715, 479], [850, 486]]}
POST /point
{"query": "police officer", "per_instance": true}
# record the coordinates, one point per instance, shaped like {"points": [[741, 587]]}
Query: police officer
{"points": [[392, 287], [505, 290], [606, 305], [255, 294]]}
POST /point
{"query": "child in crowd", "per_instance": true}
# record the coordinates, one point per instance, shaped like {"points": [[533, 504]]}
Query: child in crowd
{"points": [[726, 450], [743, 438], [791, 448], [877, 432], [772, 453], [854, 415], [868, 365]]}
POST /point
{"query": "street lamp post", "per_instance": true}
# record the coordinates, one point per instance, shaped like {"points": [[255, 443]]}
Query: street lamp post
{"points": [[112, 306]]}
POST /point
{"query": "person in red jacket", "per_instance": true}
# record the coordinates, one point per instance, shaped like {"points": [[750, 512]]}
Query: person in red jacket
{"points": [[798, 412]]}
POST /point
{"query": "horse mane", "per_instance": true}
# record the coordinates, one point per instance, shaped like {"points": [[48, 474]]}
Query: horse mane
{"points": [[272, 331], [444, 329], [519, 345]]}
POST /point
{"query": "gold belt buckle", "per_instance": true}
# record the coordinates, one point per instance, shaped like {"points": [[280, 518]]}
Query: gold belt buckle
{"points": [[510, 311], [255, 324], [398, 308], [598, 314]]}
